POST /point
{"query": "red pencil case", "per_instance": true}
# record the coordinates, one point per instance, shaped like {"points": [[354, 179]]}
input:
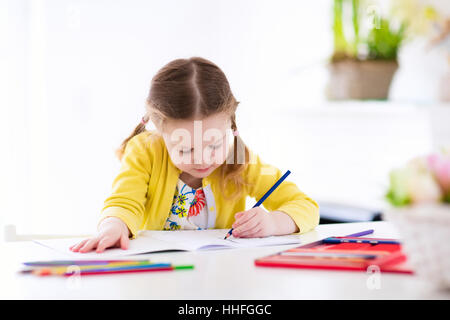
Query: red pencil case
{"points": [[342, 256]]}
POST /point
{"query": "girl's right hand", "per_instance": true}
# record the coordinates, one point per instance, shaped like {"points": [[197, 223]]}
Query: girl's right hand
{"points": [[112, 232]]}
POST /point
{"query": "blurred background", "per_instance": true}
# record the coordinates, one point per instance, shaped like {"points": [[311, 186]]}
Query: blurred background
{"points": [[337, 91]]}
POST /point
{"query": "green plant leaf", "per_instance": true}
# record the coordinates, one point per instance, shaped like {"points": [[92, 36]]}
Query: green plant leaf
{"points": [[383, 42]]}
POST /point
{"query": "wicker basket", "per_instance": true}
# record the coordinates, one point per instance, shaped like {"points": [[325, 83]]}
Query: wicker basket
{"points": [[425, 234]]}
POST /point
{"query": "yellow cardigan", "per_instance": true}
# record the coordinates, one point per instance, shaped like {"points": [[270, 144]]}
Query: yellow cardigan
{"points": [[143, 190]]}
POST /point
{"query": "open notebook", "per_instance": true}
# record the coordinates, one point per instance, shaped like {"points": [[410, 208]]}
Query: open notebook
{"points": [[181, 240]]}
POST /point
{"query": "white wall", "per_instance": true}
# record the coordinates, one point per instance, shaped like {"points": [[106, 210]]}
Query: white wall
{"points": [[79, 72]]}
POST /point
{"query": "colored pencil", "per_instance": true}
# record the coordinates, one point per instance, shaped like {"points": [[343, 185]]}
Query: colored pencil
{"points": [[52, 263], [96, 272], [333, 240], [360, 234], [105, 269], [328, 255], [183, 267], [264, 197], [133, 270], [125, 267], [48, 270]]}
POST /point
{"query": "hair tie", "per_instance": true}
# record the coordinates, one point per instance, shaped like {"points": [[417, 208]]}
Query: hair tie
{"points": [[235, 133], [143, 121]]}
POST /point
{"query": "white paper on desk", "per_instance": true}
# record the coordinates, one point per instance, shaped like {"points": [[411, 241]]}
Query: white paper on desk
{"points": [[136, 246], [183, 240], [192, 240]]}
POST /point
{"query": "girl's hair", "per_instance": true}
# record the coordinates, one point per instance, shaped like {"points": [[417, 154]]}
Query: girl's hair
{"points": [[187, 88]]}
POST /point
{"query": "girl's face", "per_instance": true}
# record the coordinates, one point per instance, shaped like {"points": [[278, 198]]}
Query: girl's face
{"points": [[198, 147]]}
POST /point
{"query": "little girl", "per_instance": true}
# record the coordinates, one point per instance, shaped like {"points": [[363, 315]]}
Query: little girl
{"points": [[189, 174]]}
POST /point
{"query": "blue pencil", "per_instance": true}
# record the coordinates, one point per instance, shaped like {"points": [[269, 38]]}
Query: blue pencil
{"points": [[264, 197], [374, 241]]}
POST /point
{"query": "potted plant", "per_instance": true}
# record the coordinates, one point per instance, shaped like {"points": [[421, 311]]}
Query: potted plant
{"points": [[419, 195], [364, 61]]}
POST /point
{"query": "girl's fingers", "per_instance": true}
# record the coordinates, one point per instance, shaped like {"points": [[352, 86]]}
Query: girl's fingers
{"points": [[124, 241], [252, 233], [77, 246], [244, 217], [104, 243], [247, 226], [238, 214], [89, 245]]}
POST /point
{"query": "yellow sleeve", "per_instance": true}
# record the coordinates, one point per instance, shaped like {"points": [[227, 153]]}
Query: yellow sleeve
{"points": [[286, 197], [130, 186]]}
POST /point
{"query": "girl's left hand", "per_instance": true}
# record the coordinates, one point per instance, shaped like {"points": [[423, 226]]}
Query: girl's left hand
{"points": [[253, 223]]}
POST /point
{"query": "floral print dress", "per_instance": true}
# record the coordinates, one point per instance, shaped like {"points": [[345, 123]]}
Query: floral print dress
{"points": [[188, 211]]}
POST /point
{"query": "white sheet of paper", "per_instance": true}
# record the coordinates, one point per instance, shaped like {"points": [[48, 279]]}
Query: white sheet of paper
{"points": [[186, 240], [193, 240], [136, 246]]}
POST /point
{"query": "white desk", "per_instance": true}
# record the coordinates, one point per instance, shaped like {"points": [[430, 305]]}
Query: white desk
{"points": [[225, 274]]}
